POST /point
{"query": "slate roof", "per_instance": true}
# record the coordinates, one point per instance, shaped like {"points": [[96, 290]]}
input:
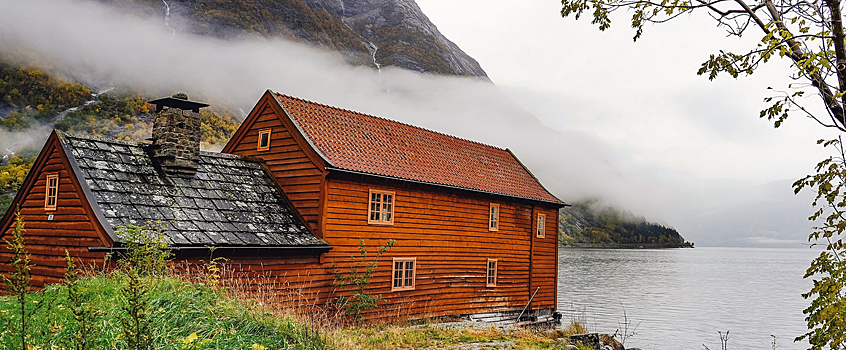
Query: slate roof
{"points": [[231, 201], [363, 143]]}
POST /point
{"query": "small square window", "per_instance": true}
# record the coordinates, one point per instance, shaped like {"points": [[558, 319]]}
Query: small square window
{"points": [[380, 209], [403, 274], [264, 140], [493, 218], [490, 280], [541, 225], [51, 198]]}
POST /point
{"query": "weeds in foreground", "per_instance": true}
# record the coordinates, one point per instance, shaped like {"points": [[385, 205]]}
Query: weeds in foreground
{"points": [[724, 341], [575, 327], [180, 309], [440, 336], [146, 249], [358, 276], [84, 317], [213, 269], [626, 330], [135, 319], [145, 259], [19, 284]]}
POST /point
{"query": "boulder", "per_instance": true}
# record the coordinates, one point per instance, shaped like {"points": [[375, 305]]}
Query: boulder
{"points": [[587, 339], [609, 341]]}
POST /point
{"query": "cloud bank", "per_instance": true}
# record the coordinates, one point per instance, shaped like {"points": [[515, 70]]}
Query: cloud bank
{"points": [[101, 47]]}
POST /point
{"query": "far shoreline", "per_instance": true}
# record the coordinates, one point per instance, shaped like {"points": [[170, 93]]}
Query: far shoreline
{"points": [[627, 246]]}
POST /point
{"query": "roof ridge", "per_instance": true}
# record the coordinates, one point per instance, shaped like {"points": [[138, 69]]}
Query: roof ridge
{"points": [[225, 155], [104, 139], [393, 121], [143, 144]]}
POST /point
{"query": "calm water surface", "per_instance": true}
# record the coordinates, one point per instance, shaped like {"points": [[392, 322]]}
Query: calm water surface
{"points": [[682, 297]]}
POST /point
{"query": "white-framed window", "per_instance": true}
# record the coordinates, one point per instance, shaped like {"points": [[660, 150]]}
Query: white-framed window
{"points": [[490, 278], [403, 274], [51, 198], [541, 225], [264, 140], [380, 209], [493, 218]]}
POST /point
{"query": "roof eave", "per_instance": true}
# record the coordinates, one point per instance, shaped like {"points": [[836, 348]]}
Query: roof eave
{"points": [[534, 177], [321, 248], [83, 184], [558, 203]]}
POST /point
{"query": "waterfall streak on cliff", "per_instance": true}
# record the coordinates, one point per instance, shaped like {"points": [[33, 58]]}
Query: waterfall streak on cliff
{"points": [[167, 19]]}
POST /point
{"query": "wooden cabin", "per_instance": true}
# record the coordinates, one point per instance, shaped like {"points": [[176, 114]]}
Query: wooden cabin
{"points": [[295, 190]]}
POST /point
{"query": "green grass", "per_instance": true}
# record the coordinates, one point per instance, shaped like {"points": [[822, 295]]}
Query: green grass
{"points": [[193, 316], [187, 316], [428, 336]]}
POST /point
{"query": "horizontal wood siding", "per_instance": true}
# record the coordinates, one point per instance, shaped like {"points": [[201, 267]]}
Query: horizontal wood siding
{"points": [[295, 172], [72, 227], [545, 260], [293, 282], [447, 231]]}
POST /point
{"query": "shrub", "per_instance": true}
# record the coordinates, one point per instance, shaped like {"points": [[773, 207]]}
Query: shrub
{"points": [[358, 276]]}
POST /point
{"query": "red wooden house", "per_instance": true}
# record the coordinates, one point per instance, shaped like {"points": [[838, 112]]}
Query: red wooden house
{"points": [[475, 231]]}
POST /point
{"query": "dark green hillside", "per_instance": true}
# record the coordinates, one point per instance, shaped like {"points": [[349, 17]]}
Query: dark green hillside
{"points": [[32, 97], [129, 117], [29, 96], [12, 174], [588, 223]]}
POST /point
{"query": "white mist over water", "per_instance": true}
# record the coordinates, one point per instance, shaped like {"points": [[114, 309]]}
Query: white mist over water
{"points": [[96, 44]]}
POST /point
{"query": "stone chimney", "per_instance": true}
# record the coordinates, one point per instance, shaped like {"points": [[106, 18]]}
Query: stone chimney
{"points": [[176, 134]]}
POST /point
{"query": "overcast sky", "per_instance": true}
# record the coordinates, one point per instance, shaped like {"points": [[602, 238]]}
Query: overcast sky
{"points": [[662, 123], [627, 122]]}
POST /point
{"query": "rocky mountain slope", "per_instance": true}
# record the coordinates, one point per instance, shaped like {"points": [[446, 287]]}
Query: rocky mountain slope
{"points": [[401, 35], [377, 33]]}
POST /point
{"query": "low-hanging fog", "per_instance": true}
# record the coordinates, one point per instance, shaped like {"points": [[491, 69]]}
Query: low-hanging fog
{"points": [[93, 44]]}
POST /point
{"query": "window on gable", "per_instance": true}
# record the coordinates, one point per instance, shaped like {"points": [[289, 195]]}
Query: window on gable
{"points": [[541, 225], [381, 208], [264, 140], [493, 218], [490, 280], [51, 198], [403, 272]]}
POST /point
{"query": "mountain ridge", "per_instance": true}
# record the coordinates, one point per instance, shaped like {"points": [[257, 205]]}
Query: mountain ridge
{"points": [[376, 33]]}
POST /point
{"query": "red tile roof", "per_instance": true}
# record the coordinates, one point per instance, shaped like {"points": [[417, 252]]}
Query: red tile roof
{"points": [[358, 142]]}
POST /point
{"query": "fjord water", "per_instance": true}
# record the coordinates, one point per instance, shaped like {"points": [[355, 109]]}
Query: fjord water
{"points": [[681, 298]]}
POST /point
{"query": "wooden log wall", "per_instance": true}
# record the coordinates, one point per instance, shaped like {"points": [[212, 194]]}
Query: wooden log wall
{"points": [[545, 258], [71, 228], [447, 231]]}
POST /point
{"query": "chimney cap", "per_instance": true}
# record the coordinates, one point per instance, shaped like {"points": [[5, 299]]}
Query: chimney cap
{"points": [[178, 103]]}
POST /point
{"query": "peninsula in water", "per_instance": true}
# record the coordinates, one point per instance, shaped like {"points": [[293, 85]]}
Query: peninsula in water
{"points": [[588, 223]]}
